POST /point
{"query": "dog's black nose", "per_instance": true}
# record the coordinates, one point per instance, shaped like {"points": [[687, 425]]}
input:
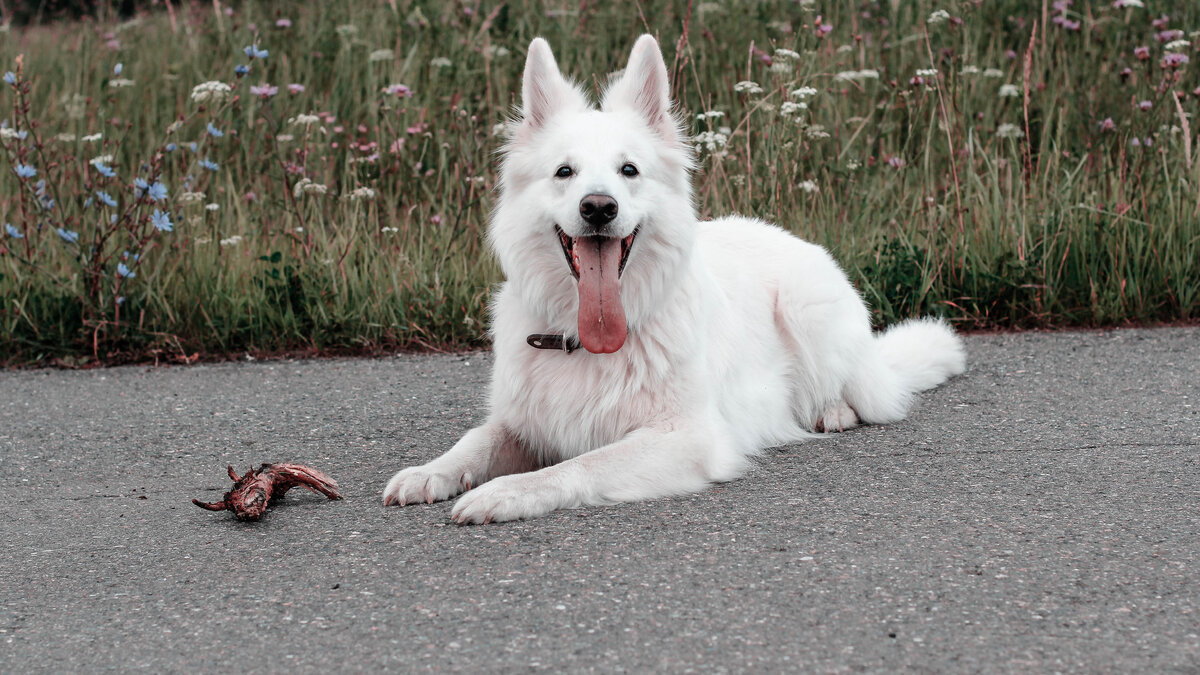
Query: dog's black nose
{"points": [[598, 209]]}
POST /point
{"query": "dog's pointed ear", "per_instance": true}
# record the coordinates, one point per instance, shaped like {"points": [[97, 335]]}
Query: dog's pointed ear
{"points": [[544, 90], [644, 87]]}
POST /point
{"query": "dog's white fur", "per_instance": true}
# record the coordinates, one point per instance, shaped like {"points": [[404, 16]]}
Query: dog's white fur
{"points": [[740, 336]]}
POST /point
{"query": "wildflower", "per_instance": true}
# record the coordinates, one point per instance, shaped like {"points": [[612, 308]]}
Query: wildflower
{"points": [[1009, 131], [496, 51], [120, 82], [65, 137], [1108, 125], [816, 131], [1142, 53], [1009, 91], [10, 78], [1174, 60], [69, 236], [803, 92], [1177, 44], [92, 138], [25, 171], [896, 162], [161, 221], [710, 115], [856, 75], [207, 163], [1168, 35], [241, 70], [1145, 105], [938, 16], [347, 30], [118, 68], [124, 272], [1128, 3], [232, 241], [11, 134], [157, 192], [306, 186], [747, 87], [211, 91], [214, 132], [993, 72], [190, 197], [285, 138], [283, 23], [398, 89], [927, 72], [212, 207], [295, 88], [106, 198], [440, 62], [361, 193], [788, 108], [786, 54], [305, 119], [254, 52], [809, 186], [264, 90], [710, 140], [13, 232], [381, 55], [140, 185], [969, 70]]}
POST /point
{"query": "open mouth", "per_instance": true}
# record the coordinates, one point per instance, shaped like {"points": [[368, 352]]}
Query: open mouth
{"points": [[568, 247]]}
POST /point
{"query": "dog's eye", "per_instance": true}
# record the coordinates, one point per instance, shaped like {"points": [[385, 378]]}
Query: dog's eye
{"points": [[629, 170], [564, 171]]}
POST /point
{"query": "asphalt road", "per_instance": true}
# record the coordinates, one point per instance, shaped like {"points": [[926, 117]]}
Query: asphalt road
{"points": [[1040, 513]]}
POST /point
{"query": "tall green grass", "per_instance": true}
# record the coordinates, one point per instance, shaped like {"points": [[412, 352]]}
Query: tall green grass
{"points": [[1021, 184]]}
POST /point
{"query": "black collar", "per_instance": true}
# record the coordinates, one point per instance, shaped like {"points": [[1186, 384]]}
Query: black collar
{"points": [[556, 341]]}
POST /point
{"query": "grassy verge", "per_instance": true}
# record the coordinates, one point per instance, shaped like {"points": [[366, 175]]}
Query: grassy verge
{"points": [[1002, 164]]}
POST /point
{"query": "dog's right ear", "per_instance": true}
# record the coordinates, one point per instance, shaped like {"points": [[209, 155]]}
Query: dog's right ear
{"points": [[544, 90]]}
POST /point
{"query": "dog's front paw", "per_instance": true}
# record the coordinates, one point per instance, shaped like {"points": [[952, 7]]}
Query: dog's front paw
{"points": [[418, 484], [838, 417], [508, 498]]}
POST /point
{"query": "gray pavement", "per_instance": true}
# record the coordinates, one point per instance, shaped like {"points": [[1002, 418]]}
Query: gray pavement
{"points": [[1040, 513]]}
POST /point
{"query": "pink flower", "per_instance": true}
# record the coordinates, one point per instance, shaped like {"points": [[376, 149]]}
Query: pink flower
{"points": [[1168, 35], [1108, 125], [1145, 105], [1174, 60], [1142, 53], [264, 90], [417, 128], [283, 23], [1161, 22], [399, 90], [295, 88], [436, 219], [896, 162], [396, 146]]}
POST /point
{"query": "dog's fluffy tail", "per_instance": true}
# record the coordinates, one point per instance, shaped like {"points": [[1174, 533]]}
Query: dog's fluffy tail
{"points": [[910, 357]]}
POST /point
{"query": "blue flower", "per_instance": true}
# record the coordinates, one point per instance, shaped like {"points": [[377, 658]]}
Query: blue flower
{"points": [[26, 171], [123, 271], [241, 70], [209, 164], [170, 147], [157, 192], [106, 198], [104, 169], [10, 77], [214, 132], [13, 232], [68, 236], [193, 146], [254, 52], [118, 68], [140, 186], [161, 221]]}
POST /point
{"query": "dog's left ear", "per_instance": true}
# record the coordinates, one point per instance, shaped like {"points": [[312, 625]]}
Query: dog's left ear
{"points": [[644, 88]]}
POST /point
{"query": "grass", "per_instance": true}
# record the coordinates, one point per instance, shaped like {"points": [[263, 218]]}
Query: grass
{"points": [[994, 162]]}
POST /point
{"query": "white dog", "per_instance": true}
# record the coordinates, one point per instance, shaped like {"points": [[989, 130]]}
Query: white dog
{"points": [[701, 342]]}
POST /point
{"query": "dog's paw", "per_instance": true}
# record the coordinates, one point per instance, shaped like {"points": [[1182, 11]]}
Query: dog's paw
{"points": [[838, 417], [508, 498], [418, 484]]}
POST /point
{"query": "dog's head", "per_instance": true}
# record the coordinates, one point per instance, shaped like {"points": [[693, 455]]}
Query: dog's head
{"points": [[595, 215]]}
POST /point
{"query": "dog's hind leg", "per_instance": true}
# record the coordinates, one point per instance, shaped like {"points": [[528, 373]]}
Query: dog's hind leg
{"points": [[483, 453], [646, 464]]}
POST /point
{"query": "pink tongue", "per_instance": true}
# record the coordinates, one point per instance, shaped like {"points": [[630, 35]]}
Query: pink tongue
{"points": [[601, 316]]}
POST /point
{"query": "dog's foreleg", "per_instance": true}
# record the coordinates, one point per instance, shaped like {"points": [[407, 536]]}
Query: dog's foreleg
{"points": [[647, 463], [481, 454]]}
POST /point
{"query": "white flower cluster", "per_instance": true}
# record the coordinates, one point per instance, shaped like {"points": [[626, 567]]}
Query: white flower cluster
{"points": [[381, 55], [809, 186], [306, 186], [1009, 91], [211, 91], [856, 75], [938, 16], [361, 193], [305, 119], [712, 141], [1009, 131], [747, 87], [803, 92], [789, 108]]}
